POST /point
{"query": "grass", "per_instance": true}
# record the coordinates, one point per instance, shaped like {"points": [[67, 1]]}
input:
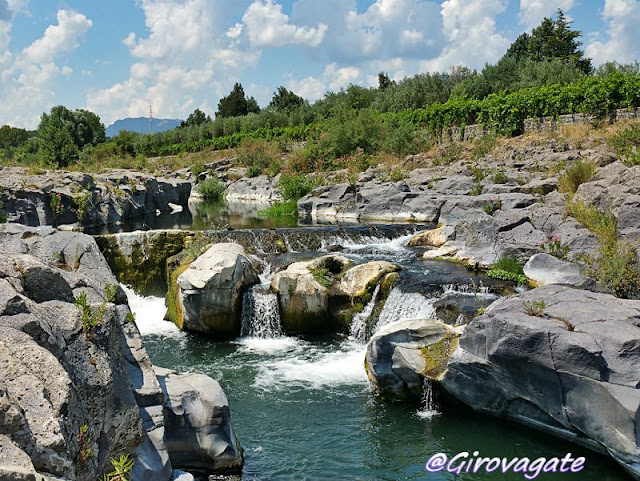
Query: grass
{"points": [[602, 223], [211, 189], [626, 143], [576, 174], [281, 210], [534, 308], [322, 276], [508, 269]]}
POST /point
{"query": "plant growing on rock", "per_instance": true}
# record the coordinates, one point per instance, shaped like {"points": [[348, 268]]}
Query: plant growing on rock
{"points": [[322, 276], [84, 443], [492, 206], [55, 204], [575, 175], [121, 469], [555, 247], [3, 214], [508, 269], [81, 200], [626, 143], [534, 308], [211, 189]]}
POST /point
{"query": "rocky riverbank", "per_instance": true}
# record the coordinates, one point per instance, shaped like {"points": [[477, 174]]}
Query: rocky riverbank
{"points": [[77, 388]]}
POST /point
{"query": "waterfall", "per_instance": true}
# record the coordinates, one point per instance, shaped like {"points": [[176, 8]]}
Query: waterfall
{"points": [[260, 314], [468, 290], [429, 407], [360, 321], [401, 306]]}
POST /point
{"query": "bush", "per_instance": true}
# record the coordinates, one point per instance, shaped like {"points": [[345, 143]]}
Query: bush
{"points": [[575, 175], [626, 143], [294, 186], [616, 269], [508, 269], [211, 189], [603, 224], [258, 156], [281, 210]]}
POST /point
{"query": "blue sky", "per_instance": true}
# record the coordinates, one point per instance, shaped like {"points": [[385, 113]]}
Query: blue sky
{"points": [[117, 57]]}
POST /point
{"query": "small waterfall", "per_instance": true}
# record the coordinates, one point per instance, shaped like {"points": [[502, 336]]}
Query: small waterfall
{"points": [[360, 321], [402, 306], [260, 314], [429, 406], [468, 290]]}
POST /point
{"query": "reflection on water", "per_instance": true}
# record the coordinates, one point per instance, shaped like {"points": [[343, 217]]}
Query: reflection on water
{"points": [[203, 216]]}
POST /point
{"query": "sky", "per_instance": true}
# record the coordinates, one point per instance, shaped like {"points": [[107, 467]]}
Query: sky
{"points": [[118, 57]]}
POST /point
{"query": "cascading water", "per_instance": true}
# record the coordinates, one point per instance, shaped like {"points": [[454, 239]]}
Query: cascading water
{"points": [[429, 406], [358, 330], [405, 305], [260, 314]]}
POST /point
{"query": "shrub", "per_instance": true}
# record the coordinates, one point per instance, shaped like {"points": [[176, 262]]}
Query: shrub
{"points": [[500, 178], [257, 155], [616, 269], [508, 269], [281, 210], [555, 247], [294, 186], [322, 276], [626, 143], [603, 224], [575, 175], [534, 308], [211, 189]]}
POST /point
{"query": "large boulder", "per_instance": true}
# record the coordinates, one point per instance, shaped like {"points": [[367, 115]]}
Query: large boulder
{"points": [[558, 359], [545, 269], [197, 420], [211, 289], [403, 353], [322, 295]]}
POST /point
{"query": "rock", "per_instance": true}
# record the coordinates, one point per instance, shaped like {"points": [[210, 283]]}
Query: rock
{"points": [[400, 355], [254, 189], [101, 198], [572, 371], [304, 302], [432, 238], [198, 430], [545, 269], [357, 280], [211, 291]]}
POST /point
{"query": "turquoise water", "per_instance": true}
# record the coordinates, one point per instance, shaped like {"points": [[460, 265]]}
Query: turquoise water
{"points": [[304, 411]]}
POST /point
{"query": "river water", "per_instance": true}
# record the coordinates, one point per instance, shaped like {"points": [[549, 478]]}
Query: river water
{"points": [[303, 408]]}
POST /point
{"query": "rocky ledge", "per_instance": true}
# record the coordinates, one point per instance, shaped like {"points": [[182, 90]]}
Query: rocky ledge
{"points": [[556, 359], [77, 387], [89, 200]]}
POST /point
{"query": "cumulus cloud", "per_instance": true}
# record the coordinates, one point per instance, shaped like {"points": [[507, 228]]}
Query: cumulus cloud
{"points": [[623, 36], [268, 26], [27, 76], [189, 59], [533, 11]]}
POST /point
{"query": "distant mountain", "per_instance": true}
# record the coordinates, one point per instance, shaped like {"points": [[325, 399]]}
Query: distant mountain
{"points": [[141, 125]]}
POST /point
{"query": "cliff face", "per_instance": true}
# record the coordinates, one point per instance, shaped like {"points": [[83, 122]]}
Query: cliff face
{"points": [[66, 405], [77, 388]]}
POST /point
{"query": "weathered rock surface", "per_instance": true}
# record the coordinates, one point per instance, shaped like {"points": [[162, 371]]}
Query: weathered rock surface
{"points": [[72, 398], [572, 372], [545, 269], [324, 302], [99, 199], [199, 435], [402, 354], [254, 189], [211, 288]]}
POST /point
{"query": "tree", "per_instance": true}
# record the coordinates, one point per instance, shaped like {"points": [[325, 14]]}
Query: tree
{"points": [[198, 117], [285, 100], [236, 104], [552, 39], [12, 136], [384, 82], [64, 133]]}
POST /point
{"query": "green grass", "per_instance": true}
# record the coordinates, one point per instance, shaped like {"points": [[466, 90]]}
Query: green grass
{"points": [[508, 269], [576, 174], [626, 143], [322, 276], [281, 210]]}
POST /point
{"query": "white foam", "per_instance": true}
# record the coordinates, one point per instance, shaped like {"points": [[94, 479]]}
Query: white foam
{"points": [[397, 245], [315, 369], [149, 312], [401, 306], [274, 345], [426, 413]]}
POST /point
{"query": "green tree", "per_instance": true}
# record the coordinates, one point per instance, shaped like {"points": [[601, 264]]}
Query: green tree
{"points": [[384, 82], [285, 100], [198, 117], [64, 133], [236, 104], [12, 136]]}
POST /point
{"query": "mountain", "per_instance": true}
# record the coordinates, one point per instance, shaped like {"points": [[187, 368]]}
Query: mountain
{"points": [[141, 125]]}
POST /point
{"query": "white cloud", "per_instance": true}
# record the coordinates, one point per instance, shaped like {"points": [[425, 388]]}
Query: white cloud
{"points": [[470, 28], [623, 18], [58, 38], [27, 77], [189, 59], [268, 26], [533, 11]]}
